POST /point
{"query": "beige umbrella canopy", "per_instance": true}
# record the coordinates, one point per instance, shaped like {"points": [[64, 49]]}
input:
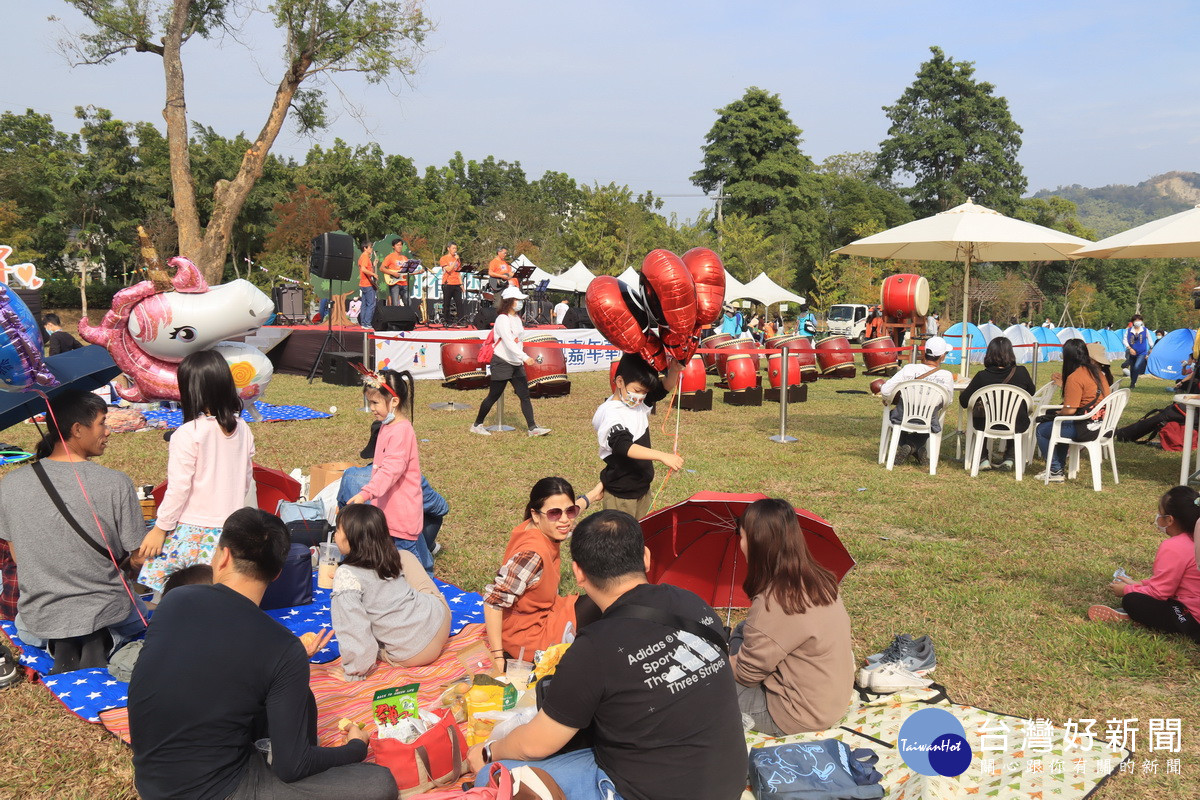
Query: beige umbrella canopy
{"points": [[968, 233], [1176, 236]]}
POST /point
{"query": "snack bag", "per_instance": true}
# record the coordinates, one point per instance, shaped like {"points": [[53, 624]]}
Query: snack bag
{"points": [[547, 661], [454, 697], [487, 695], [389, 706]]}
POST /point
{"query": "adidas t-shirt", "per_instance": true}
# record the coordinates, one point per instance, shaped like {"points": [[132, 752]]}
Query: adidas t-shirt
{"points": [[660, 703], [617, 427]]}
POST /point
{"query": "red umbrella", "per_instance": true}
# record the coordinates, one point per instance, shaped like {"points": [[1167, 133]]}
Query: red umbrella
{"points": [[694, 545]]}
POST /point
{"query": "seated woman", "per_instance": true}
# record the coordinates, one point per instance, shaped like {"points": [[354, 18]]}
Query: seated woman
{"points": [[1084, 385], [384, 604], [522, 609], [1169, 600], [792, 657], [999, 367]]}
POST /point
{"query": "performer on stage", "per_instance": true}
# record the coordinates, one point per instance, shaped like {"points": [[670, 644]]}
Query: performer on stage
{"points": [[367, 283], [396, 280], [500, 272], [451, 284]]}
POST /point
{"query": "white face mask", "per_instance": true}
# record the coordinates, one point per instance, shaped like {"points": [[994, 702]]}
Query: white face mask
{"points": [[633, 399], [1137, 326], [517, 306], [1161, 528]]}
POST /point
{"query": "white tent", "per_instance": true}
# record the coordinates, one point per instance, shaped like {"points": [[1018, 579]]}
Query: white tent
{"points": [[538, 275], [1020, 334], [990, 331], [630, 277], [576, 279], [765, 291], [733, 287]]}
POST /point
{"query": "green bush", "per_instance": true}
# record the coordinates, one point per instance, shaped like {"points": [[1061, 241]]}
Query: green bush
{"points": [[65, 294]]}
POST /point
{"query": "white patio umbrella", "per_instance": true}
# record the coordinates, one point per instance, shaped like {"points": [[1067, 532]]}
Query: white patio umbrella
{"points": [[1176, 236], [967, 233]]}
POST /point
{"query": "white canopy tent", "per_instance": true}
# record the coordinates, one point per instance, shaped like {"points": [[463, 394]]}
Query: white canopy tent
{"points": [[576, 279], [538, 275], [630, 277], [765, 291]]}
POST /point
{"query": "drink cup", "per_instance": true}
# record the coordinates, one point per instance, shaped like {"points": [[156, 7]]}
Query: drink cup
{"points": [[327, 561]]}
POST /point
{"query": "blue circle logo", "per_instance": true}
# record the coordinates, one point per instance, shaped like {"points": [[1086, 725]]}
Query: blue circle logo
{"points": [[933, 742]]}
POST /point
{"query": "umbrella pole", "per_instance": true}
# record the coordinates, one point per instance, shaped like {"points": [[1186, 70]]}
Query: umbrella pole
{"points": [[962, 370]]}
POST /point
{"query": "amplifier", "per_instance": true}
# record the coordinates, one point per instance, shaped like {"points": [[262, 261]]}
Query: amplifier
{"points": [[336, 369]]}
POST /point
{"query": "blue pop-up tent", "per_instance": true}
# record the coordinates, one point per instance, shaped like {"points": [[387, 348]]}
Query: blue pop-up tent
{"points": [[1047, 336], [953, 337], [1114, 344], [1167, 357]]}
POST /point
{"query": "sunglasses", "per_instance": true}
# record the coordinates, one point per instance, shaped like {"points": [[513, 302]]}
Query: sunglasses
{"points": [[555, 514]]}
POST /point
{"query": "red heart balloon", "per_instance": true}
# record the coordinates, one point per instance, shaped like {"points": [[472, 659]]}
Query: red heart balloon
{"points": [[670, 294], [708, 278]]}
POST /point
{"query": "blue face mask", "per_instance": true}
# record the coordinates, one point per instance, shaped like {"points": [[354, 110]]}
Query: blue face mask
{"points": [[388, 419]]}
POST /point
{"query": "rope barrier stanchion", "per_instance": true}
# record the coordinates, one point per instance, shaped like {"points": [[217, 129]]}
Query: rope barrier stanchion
{"points": [[782, 437], [1035, 362], [500, 427]]}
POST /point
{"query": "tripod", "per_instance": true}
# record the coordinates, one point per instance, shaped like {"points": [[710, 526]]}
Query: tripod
{"points": [[329, 337]]}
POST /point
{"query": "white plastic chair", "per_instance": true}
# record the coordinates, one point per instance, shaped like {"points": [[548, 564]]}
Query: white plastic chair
{"points": [[1040, 405], [1114, 406], [924, 403], [1002, 405]]}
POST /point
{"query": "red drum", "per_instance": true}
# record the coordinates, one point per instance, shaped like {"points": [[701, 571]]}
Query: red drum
{"points": [[808, 360], [460, 365], [708, 342], [775, 370], [549, 363], [730, 346], [834, 358], [776, 342], [693, 378], [904, 296], [612, 375], [741, 371], [876, 358]]}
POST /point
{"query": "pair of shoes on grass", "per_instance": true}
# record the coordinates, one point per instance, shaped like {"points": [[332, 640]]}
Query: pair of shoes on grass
{"points": [[535, 431], [915, 655], [1100, 613], [1056, 476], [889, 678]]}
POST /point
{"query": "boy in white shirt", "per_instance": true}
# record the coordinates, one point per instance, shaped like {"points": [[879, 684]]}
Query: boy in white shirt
{"points": [[936, 349]]}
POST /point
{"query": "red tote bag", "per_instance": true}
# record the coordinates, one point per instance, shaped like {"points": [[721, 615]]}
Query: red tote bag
{"points": [[436, 758]]}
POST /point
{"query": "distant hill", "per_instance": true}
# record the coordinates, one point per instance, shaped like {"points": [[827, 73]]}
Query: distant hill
{"points": [[1112, 209]]}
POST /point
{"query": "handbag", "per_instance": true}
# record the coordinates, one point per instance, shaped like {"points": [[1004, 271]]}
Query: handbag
{"points": [[436, 758], [488, 349], [294, 586], [311, 510], [823, 770]]}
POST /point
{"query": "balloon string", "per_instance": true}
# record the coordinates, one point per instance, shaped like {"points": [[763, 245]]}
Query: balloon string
{"points": [[674, 447], [91, 507]]}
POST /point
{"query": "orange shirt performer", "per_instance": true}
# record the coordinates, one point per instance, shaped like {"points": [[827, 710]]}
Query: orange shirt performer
{"points": [[396, 280], [367, 283], [451, 265]]}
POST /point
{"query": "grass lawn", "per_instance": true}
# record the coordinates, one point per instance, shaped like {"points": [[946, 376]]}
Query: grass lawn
{"points": [[1000, 573]]}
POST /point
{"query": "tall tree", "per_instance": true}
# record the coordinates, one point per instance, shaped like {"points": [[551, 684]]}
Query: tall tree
{"points": [[752, 154], [955, 139], [375, 38]]}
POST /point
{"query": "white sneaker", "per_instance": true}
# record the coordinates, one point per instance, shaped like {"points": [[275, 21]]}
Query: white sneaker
{"points": [[539, 431], [890, 678], [482, 431]]}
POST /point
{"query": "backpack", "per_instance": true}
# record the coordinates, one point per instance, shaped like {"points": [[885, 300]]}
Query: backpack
{"points": [[1170, 436], [488, 348], [824, 770]]}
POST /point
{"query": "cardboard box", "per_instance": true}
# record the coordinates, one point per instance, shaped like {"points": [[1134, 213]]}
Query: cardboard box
{"points": [[321, 475]]}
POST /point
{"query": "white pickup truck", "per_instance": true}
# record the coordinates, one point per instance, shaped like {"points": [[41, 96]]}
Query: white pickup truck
{"points": [[849, 320]]}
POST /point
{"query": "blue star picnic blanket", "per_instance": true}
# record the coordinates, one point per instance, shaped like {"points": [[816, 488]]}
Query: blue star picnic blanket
{"points": [[87, 692], [270, 413]]}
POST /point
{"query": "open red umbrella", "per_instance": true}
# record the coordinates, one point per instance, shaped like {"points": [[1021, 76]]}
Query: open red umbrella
{"points": [[694, 545]]}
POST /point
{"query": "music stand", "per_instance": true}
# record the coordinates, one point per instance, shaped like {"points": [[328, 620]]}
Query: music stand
{"points": [[464, 319]]}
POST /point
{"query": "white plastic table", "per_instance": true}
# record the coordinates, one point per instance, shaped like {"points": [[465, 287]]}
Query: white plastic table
{"points": [[1189, 403]]}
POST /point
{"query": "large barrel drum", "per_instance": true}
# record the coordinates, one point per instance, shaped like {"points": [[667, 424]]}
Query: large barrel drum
{"points": [[731, 346], [549, 367], [741, 371], [775, 370], [876, 357], [612, 375], [460, 364], [904, 297], [807, 360], [834, 358], [694, 378], [709, 342]]}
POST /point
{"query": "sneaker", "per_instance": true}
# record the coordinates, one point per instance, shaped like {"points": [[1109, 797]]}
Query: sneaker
{"points": [[917, 657], [10, 669], [538, 431], [899, 646], [1056, 476], [890, 678], [923, 456], [437, 548], [984, 463], [1106, 614], [482, 431], [1007, 465], [903, 453]]}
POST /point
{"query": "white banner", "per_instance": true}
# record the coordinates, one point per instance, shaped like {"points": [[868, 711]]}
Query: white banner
{"points": [[411, 350]]}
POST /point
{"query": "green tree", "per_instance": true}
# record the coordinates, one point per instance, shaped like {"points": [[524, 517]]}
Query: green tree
{"points": [[374, 38], [752, 156], [955, 138], [853, 199], [37, 161]]}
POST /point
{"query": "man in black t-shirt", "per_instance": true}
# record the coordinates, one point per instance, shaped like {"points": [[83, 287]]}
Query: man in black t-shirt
{"points": [[216, 674], [60, 341], [649, 680]]}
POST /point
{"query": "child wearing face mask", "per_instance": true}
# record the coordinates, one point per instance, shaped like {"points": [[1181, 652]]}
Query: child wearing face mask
{"points": [[1169, 600], [1137, 347], [622, 424], [508, 363]]}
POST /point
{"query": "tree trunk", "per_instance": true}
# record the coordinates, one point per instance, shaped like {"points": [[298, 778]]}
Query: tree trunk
{"points": [[183, 185]]}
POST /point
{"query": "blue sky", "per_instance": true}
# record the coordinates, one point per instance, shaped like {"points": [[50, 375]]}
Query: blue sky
{"points": [[1107, 92]]}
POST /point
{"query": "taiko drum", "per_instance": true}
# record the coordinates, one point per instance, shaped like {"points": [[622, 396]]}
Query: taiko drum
{"points": [[741, 371], [876, 357], [834, 358], [904, 296], [460, 364], [709, 342], [549, 363], [731, 346], [694, 377], [775, 370]]}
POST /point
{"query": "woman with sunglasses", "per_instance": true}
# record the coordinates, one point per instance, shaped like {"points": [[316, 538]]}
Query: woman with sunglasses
{"points": [[522, 607]]}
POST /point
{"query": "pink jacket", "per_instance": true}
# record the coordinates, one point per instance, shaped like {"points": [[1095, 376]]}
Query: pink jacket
{"points": [[395, 482], [1175, 574], [208, 474]]}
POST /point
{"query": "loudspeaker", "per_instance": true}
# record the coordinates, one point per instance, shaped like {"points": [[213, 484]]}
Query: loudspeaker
{"points": [[395, 318], [485, 317], [289, 304], [332, 256], [336, 369]]}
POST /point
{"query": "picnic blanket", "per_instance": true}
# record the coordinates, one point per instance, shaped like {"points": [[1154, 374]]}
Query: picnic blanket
{"points": [[270, 413], [89, 692], [1012, 767]]}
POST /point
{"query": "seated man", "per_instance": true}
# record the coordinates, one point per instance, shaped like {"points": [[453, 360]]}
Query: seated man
{"points": [[649, 679], [71, 596], [931, 370], [216, 674], [60, 341]]}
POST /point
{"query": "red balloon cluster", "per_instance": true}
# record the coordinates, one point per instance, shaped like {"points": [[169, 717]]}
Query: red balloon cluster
{"points": [[663, 316]]}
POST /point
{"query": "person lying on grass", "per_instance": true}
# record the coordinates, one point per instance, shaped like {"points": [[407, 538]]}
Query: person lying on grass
{"points": [[383, 604], [1169, 600]]}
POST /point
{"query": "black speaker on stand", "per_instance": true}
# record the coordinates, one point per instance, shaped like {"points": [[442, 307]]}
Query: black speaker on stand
{"points": [[331, 258], [395, 318]]}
